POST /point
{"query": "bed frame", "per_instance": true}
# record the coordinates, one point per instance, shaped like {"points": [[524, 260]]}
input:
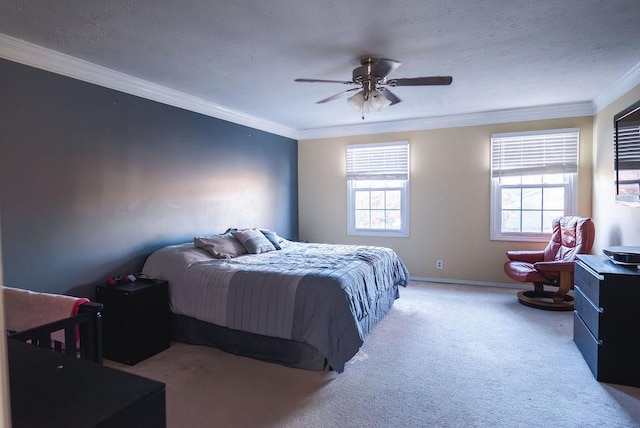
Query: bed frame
{"points": [[286, 352], [82, 333]]}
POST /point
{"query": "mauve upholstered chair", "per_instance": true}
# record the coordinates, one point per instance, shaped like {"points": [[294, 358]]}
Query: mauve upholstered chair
{"points": [[552, 266]]}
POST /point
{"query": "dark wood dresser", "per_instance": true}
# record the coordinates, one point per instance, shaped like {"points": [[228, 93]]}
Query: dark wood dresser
{"points": [[49, 389], [606, 325]]}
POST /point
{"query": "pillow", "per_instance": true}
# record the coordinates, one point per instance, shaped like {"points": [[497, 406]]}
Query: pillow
{"points": [[220, 246], [254, 241], [272, 237]]}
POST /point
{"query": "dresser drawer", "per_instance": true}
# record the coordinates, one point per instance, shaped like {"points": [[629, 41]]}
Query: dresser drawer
{"points": [[588, 312], [588, 345], [588, 281]]}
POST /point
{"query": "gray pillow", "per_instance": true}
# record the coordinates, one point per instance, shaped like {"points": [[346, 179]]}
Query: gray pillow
{"points": [[272, 237], [254, 241], [220, 246]]}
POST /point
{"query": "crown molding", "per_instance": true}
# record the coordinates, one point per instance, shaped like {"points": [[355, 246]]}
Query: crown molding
{"points": [[454, 121], [26, 53], [624, 84], [36, 56]]}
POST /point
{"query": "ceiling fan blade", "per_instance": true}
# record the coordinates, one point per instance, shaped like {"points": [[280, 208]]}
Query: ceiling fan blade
{"points": [[382, 67], [348, 82], [333, 97], [421, 81], [390, 96]]}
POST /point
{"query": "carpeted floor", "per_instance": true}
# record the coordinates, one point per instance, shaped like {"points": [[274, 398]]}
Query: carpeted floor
{"points": [[445, 356]]}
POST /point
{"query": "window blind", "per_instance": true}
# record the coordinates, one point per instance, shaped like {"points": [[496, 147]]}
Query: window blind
{"points": [[386, 161], [547, 152], [628, 145]]}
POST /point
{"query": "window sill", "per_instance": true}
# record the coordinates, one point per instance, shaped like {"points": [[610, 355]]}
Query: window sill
{"points": [[522, 237], [383, 234]]}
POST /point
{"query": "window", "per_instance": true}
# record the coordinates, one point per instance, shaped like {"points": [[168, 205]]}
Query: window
{"points": [[627, 155], [377, 189], [534, 179]]}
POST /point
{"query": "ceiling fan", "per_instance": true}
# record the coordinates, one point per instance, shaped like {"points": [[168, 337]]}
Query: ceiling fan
{"points": [[373, 82]]}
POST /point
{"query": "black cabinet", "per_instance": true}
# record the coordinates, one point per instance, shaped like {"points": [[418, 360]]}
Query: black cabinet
{"points": [[135, 319], [606, 325]]}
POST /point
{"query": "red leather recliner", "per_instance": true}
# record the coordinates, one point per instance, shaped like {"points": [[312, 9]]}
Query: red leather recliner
{"points": [[552, 266]]}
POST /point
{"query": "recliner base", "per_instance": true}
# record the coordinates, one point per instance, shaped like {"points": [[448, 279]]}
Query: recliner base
{"points": [[545, 300]]}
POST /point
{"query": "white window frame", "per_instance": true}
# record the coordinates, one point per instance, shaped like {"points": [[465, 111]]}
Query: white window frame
{"points": [[551, 165], [381, 174]]}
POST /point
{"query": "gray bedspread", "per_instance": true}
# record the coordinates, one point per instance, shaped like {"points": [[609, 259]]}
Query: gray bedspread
{"points": [[328, 296]]}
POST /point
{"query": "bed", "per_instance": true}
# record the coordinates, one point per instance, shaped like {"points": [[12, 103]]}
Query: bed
{"points": [[305, 305]]}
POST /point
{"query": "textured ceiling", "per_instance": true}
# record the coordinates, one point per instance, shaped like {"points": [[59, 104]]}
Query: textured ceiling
{"points": [[244, 55]]}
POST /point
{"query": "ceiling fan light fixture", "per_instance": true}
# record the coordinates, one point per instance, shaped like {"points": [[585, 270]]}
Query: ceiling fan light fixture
{"points": [[362, 102], [379, 101], [358, 102]]}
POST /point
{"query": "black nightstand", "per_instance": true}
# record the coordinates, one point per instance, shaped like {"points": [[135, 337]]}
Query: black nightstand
{"points": [[135, 319]]}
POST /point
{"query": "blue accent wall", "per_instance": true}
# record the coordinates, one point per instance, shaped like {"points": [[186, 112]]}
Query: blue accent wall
{"points": [[93, 180]]}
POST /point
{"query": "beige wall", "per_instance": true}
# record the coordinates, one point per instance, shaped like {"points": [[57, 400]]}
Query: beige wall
{"points": [[449, 197], [615, 224]]}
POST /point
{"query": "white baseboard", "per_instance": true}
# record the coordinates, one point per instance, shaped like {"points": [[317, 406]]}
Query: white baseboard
{"points": [[466, 282]]}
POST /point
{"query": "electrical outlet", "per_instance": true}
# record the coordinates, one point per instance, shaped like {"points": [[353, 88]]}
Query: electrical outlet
{"points": [[439, 264]]}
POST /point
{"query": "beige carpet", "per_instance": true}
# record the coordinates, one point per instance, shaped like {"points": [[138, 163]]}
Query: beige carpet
{"points": [[445, 356]]}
